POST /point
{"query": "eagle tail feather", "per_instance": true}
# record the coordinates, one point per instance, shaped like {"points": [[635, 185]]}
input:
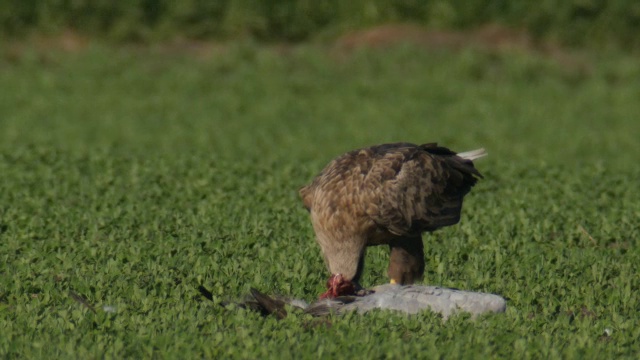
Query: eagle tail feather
{"points": [[473, 154]]}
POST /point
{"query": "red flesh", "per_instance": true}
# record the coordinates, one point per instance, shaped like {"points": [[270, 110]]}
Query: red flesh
{"points": [[338, 286]]}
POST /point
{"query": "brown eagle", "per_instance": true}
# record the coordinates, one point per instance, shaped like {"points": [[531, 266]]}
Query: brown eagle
{"points": [[385, 194]]}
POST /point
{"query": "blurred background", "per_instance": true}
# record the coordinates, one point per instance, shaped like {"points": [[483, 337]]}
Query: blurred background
{"points": [[572, 22], [530, 79]]}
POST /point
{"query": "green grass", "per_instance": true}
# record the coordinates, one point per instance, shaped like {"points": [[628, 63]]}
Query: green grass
{"points": [[133, 176]]}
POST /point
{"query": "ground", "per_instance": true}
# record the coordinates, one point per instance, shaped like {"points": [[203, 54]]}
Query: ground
{"points": [[131, 176]]}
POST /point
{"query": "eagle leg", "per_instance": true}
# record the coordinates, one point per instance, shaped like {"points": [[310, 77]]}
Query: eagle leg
{"points": [[406, 263]]}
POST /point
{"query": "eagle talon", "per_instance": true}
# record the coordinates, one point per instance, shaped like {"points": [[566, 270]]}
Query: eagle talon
{"points": [[364, 292]]}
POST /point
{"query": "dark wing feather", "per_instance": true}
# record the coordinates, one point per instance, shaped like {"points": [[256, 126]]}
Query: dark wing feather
{"points": [[411, 189], [269, 305]]}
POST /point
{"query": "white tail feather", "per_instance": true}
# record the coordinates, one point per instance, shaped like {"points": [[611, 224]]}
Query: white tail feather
{"points": [[473, 154]]}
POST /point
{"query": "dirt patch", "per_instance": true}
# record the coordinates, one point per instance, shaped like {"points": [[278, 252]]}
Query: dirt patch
{"points": [[492, 37], [68, 40]]}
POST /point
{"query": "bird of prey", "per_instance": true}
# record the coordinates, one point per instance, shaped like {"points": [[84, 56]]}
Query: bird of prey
{"points": [[385, 194]]}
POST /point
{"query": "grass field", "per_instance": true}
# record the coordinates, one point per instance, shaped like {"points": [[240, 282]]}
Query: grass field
{"points": [[133, 176]]}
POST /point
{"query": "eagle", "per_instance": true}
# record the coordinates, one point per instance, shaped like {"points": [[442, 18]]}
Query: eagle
{"points": [[385, 194]]}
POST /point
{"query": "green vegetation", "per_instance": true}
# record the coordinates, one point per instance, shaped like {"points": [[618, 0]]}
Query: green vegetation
{"points": [[133, 176], [573, 22]]}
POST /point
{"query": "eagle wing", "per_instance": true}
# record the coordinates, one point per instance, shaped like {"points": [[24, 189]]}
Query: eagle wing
{"points": [[410, 189]]}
